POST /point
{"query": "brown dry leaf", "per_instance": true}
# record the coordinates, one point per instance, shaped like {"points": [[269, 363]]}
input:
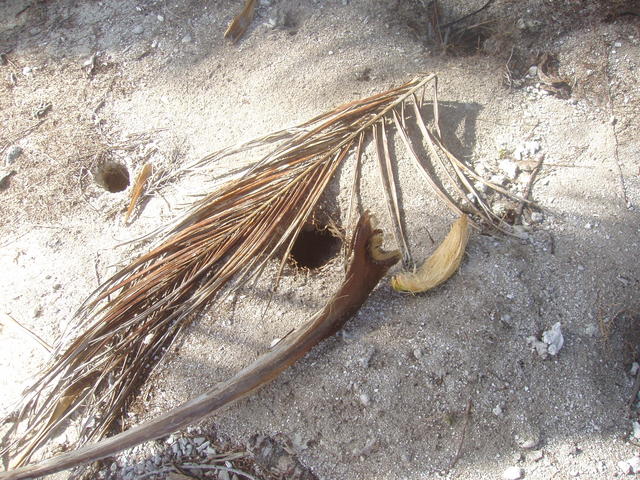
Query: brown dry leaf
{"points": [[241, 22], [551, 81], [440, 266]]}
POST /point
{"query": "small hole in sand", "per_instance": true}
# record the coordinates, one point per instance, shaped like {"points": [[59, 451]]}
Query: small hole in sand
{"points": [[314, 247], [112, 176]]}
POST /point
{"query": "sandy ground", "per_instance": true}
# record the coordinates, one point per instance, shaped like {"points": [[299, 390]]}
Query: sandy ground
{"points": [[387, 398]]}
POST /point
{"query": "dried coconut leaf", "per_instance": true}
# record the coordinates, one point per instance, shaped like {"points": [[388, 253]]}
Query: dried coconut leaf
{"points": [[440, 266], [222, 242]]}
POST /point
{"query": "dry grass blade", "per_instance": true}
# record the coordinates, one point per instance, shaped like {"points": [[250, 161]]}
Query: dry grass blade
{"points": [[427, 175], [241, 22], [30, 333], [223, 241], [387, 180], [353, 198]]}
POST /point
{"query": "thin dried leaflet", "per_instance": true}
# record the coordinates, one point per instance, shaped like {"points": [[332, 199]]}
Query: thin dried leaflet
{"points": [[241, 22]]}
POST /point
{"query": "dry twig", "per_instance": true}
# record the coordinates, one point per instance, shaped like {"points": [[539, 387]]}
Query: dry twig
{"points": [[467, 416]]}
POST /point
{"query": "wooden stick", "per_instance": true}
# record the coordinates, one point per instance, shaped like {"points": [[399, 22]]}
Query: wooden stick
{"points": [[528, 188], [369, 263]]}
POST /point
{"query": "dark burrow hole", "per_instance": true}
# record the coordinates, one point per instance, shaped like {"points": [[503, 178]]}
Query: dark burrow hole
{"points": [[467, 42], [314, 247], [112, 176]]}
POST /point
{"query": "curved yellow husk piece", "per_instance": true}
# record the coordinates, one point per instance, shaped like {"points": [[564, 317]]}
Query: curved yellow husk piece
{"points": [[440, 266]]}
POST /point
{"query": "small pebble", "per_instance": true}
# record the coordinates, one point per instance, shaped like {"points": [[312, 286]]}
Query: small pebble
{"points": [[176, 449], [536, 455], [537, 217], [12, 154], [533, 71], [591, 330], [211, 452], [553, 337], [4, 175], [529, 444], [636, 430], [367, 449], [187, 38], [160, 18], [617, 44], [364, 399], [498, 179], [624, 467], [138, 29], [481, 187], [27, 70], [365, 360], [497, 411], [509, 168], [513, 473], [541, 348]]}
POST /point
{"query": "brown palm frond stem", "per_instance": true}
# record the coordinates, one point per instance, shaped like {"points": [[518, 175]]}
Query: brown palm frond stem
{"points": [[368, 264], [223, 241]]}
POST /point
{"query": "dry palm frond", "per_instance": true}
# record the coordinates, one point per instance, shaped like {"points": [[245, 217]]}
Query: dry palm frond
{"points": [[368, 263], [223, 241], [440, 266]]}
